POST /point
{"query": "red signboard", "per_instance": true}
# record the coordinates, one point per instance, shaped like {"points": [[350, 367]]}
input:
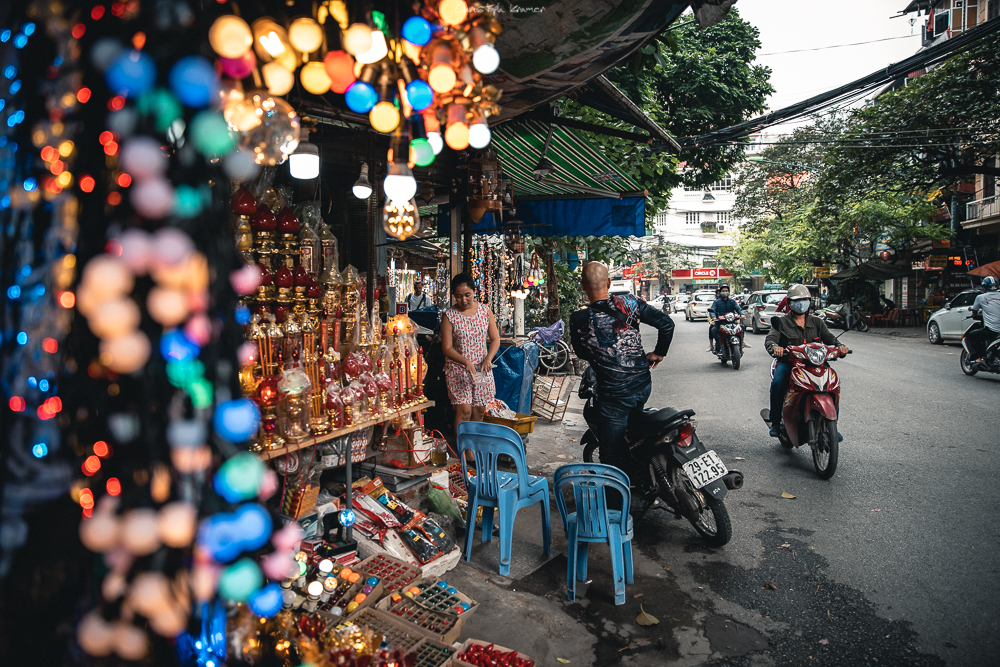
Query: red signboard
{"points": [[700, 273]]}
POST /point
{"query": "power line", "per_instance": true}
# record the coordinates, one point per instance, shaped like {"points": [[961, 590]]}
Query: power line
{"points": [[834, 46], [844, 94]]}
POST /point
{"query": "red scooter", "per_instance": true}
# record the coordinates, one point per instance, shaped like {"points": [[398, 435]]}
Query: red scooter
{"points": [[809, 415]]}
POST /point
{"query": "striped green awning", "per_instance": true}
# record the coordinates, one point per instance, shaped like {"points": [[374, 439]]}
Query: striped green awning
{"points": [[580, 169]]}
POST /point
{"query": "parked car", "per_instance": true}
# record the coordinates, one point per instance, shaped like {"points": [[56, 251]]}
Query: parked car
{"points": [[697, 307], [657, 302], [680, 303], [762, 306], [951, 321]]}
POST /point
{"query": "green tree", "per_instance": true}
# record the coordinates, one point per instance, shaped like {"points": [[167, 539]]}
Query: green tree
{"points": [[939, 130], [690, 82]]}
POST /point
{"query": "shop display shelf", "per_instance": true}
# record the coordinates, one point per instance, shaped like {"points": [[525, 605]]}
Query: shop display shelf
{"points": [[340, 432]]}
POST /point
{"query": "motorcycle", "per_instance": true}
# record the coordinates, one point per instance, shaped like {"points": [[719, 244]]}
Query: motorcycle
{"points": [[730, 344], [669, 463], [836, 315], [991, 361], [809, 416]]}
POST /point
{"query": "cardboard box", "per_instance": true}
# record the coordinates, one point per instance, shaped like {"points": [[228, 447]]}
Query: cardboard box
{"points": [[403, 636], [388, 603], [439, 626], [434, 654], [396, 574], [469, 642]]}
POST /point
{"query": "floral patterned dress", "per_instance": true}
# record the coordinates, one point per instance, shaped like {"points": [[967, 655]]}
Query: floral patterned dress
{"points": [[470, 338]]}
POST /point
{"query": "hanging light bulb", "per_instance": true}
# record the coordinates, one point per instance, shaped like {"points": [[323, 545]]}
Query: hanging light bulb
{"points": [[479, 130], [485, 57], [362, 187], [278, 79], [433, 128], [453, 12], [384, 117], [400, 219], [419, 94], [417, 30], [340, 68], [270, 41], [399, 185], [315, 78], [456, 134], [230, 36], [304, 162], [421, 152], [441, 75], [357, 39], [378, 49], [305, 35]]}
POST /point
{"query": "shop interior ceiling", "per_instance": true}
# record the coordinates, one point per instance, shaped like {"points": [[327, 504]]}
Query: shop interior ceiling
{"points": [[549, 49]]}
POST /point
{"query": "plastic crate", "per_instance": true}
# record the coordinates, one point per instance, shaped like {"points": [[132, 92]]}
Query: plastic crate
{"points": [[524, 424]]}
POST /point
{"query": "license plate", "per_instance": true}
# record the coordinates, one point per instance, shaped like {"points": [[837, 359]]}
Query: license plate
{"points": [[705, 469]]}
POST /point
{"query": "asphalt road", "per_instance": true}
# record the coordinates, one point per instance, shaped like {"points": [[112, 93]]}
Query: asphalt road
{"points": [[892, 561]]}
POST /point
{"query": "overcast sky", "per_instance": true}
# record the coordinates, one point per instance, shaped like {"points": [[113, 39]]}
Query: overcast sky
{"points": [[796, 25]]}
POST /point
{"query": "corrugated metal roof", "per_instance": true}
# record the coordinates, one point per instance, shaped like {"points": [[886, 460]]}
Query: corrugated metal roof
{"points": [[579, 167]]}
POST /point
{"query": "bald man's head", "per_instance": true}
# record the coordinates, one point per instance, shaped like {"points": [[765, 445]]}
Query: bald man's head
{"points": [[595, 281]]}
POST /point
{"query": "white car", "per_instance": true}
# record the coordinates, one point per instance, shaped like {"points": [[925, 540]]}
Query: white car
{"points": [[680, 303], [762, 306], [657, 302], [697, 307], [950, 322]]}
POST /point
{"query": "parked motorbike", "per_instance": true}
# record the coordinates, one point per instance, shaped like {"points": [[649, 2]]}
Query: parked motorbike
{"points": [[668, 462], [836, 315], [809, 416], [730, 344], [991, 361]]}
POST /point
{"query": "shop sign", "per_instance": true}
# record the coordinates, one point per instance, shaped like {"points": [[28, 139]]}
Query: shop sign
{"points": [[918, 266], [822, 272], [705, 281], [937, 261], [705, 273], [680, 273], [941, 243], [773, 286]]}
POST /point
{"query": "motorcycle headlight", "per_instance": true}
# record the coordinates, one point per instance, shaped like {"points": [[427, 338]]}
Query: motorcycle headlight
{"points": [[816, 356], [730, 317]]}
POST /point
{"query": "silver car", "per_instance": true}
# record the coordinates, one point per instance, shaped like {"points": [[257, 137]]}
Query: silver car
{"points": [[950, 322], [680, 303], [697, 307], [761, 307]]}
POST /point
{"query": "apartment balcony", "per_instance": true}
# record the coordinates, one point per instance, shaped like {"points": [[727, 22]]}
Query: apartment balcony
{"points": [[982, 213]]}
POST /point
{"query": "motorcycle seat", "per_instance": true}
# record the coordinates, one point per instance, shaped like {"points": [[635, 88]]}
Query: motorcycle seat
{"points": [[652, 419]]}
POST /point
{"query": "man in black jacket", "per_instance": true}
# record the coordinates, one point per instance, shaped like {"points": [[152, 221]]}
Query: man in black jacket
{"points": [[607, 335]]}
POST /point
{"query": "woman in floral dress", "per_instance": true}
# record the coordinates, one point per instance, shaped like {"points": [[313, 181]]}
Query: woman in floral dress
{"points": [[470, 340]]}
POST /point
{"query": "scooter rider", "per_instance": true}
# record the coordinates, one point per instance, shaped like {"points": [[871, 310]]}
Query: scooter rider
{"points": [[607, 335], [795, 328], [718, 311], [988, 303]]}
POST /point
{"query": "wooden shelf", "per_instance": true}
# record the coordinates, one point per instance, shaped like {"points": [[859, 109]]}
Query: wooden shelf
{"points": [[341, 432]]}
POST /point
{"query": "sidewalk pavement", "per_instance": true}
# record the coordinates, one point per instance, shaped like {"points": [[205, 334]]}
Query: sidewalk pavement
{"points": [[529, 610], [898, 332]]}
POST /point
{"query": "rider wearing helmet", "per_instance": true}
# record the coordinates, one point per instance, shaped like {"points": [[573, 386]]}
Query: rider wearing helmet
{"points": [[988, 303], [722, 305], [795, 328]]}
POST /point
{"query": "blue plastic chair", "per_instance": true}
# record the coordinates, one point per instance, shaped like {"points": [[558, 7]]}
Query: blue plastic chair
{"points": [[492, 488], [594, 522]]}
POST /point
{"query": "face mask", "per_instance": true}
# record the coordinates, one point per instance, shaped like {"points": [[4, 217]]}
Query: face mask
{"points": [[799, 306], [724, 295]]}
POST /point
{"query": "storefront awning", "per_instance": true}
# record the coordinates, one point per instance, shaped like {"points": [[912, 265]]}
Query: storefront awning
{"points": [[578, 168]]}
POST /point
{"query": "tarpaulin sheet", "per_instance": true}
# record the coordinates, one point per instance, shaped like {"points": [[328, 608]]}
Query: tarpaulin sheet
{"points": [[513, 374], [567, 217]]}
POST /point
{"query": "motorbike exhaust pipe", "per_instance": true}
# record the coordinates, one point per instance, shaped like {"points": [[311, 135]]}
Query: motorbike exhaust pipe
{"points": [[733, 480]]}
